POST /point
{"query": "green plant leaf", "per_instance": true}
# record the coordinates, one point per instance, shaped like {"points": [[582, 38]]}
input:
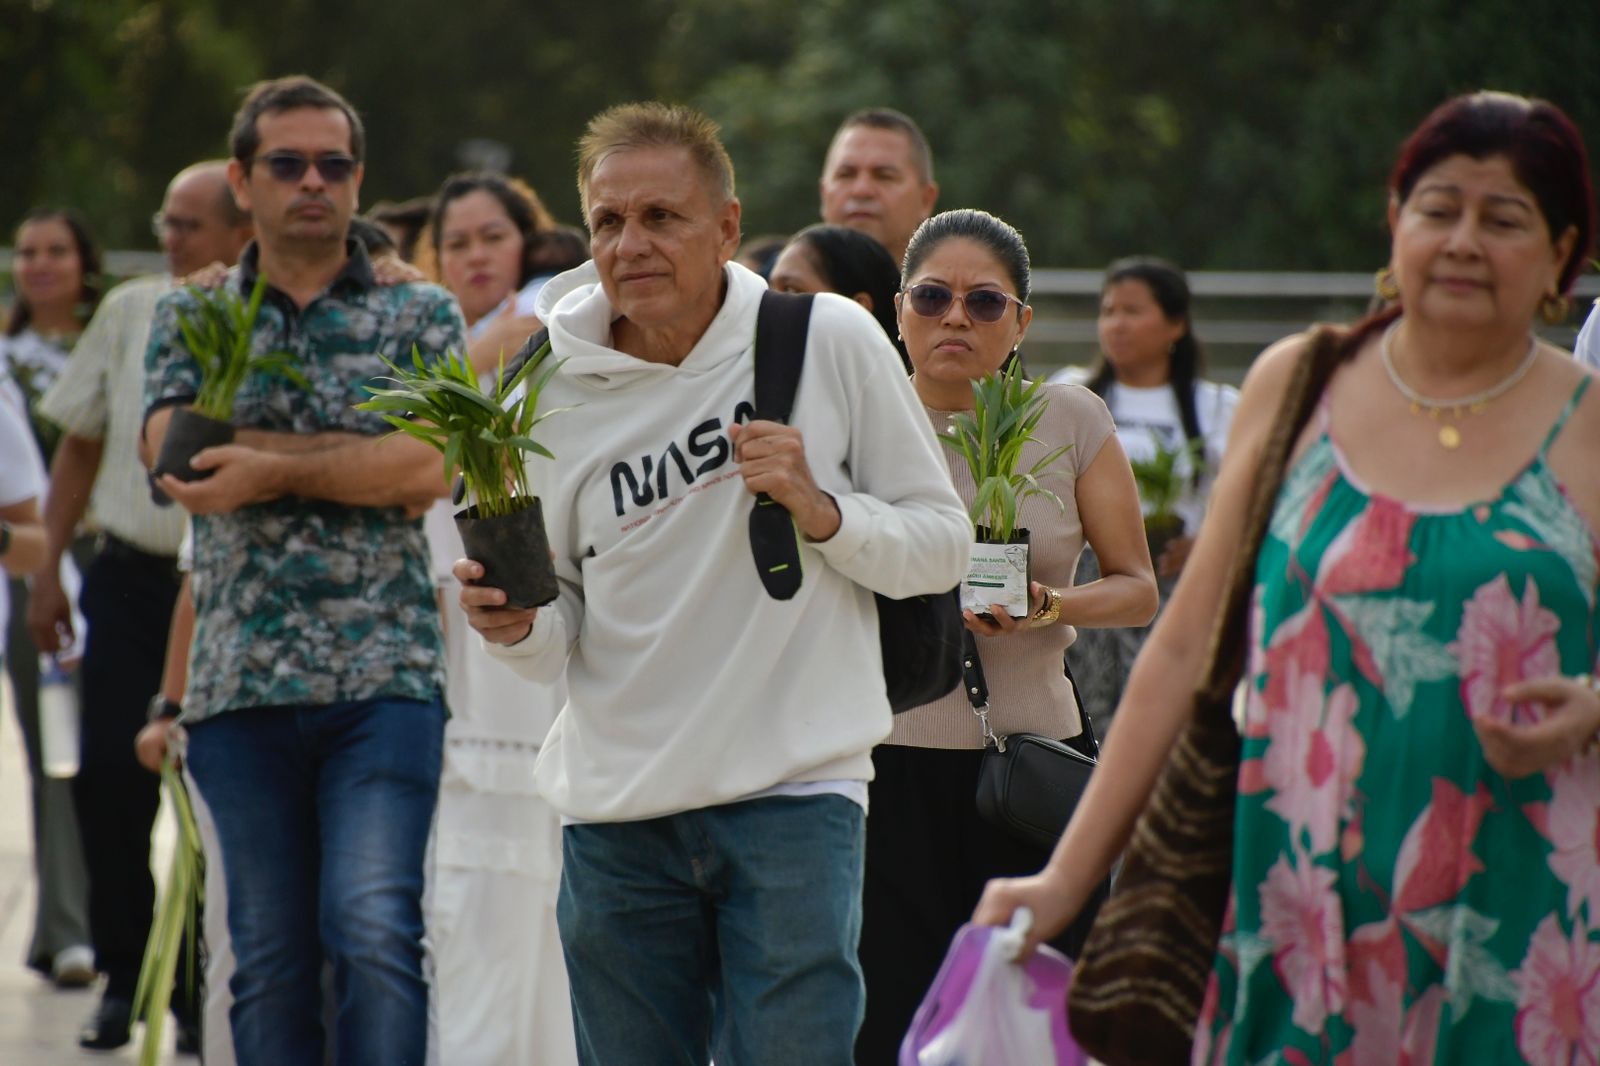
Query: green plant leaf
{"points": [[218, 332], [991, 437], [175, 913], [482, 427]]}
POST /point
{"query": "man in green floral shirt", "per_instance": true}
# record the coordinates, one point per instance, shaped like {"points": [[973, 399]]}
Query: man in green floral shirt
{"points": [[313, 707]]}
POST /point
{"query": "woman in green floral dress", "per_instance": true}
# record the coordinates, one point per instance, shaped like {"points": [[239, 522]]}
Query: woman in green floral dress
{"points": [[1417, 855]]}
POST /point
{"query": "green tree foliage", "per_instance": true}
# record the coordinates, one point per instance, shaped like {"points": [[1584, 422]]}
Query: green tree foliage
{"points": [[107, 99], [1222, 133]]}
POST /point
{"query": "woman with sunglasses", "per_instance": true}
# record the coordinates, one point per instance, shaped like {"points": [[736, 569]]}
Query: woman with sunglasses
{"points": [[827, 258], [496, 858], [963, 313], [1149, 376]]}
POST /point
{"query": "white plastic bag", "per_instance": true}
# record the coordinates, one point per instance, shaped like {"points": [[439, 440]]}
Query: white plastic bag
{"points": [[985, 1009]]}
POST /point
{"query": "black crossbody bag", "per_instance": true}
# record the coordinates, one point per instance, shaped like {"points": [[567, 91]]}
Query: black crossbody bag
{"points": [[1028, 784], [920, 635]]}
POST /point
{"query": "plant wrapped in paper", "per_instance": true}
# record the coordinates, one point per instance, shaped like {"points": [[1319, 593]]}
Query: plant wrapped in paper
{"points": [[1161, 480], [173, 933], [484, 432], [1006, 410], [218, 335]]}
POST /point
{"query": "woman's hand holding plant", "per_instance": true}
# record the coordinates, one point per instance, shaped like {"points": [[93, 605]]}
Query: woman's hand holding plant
{"points": [[1000, 624]]}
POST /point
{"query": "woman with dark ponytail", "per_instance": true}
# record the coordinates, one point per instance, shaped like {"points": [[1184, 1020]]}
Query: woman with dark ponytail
{"points": [[1149, 376], [824, 258]]}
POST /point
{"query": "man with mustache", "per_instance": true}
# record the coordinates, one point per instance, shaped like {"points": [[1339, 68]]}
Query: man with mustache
{"points": [[878, 177], [313, 708]]}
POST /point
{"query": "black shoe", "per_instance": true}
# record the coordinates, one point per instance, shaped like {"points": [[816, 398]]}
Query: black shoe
{"points": [[188, 1042], [108, 1027]]}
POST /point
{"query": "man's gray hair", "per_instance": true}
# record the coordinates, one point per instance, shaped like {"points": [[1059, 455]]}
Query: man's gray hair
{"points": [[652, 124]]}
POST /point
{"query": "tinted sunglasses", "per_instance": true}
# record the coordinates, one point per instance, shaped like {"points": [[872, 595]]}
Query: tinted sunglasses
{"points": [[983, 305], [335, 167]]}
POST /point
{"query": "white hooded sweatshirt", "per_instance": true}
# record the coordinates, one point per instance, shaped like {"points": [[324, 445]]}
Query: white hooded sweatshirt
{"points": [[688, 685]]}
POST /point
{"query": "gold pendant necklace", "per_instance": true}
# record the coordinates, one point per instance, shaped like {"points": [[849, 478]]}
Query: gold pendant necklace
{"points": [[1449, 432]]}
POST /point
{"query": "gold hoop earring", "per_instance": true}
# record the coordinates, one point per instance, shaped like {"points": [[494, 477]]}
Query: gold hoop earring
{"points": [[1385, 285], [1554, 309]]}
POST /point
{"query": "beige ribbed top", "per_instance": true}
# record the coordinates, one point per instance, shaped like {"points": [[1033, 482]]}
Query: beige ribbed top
{"points": [[1027, 690]]}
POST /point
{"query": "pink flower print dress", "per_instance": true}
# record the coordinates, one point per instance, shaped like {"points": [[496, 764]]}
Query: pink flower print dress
{"points": [[1396, 900]]}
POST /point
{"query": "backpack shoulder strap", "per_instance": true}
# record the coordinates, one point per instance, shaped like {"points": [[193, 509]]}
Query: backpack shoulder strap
{"points": [[782, 324], [780, 353], [529, 350]]}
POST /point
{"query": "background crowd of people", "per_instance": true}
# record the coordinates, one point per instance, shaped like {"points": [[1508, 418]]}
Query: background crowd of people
{"points": [[668, 816]]}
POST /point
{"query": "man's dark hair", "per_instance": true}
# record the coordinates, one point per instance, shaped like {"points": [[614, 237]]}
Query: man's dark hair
{"points": [[373, 237], [287, 94], [408, 217], [887, 118], [557, 249]]}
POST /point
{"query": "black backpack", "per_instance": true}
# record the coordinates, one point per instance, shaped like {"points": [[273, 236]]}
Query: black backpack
{"points": [[921, 635]]}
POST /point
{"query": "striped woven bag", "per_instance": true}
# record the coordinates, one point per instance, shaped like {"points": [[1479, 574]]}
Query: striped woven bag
{"points": [[1137, 987]]}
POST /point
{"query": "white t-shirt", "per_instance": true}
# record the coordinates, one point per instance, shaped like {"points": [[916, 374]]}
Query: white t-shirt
{"points": [[1148, 416], [21, 470], [1587, 347]]}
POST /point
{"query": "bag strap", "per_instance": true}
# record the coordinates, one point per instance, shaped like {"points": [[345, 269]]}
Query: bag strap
{"points": [[977, 688], [782, 324], [1321, 357], [972, 671]]}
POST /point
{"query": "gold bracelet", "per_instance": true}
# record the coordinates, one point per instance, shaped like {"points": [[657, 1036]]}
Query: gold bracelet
{"points": [[1591, 745], [1050, 613]]}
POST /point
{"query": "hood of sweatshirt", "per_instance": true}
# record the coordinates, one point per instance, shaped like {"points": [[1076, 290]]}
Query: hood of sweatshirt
{"points": [[574, 307]]}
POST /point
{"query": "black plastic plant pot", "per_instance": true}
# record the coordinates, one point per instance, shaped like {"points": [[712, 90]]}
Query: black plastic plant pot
{"points": [[1161, 530], [188, 434], [513, 551], [1020, 538]]}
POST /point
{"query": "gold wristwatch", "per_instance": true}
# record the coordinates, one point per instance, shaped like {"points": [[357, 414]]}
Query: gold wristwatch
{"points": [[1050, 613]]}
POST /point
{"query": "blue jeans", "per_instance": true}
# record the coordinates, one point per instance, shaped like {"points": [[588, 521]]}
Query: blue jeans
{"points": [[324, 814], [730, 928]]}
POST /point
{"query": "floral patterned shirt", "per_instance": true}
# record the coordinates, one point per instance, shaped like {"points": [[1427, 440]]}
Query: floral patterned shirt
{"points": [[298, 601], [1396, 900]]}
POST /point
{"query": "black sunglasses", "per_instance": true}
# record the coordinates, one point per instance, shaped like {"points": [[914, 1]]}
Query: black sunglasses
{"points": [[335, 167], [983, 305]]}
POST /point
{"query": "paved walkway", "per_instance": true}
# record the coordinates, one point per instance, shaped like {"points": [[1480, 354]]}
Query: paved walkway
{"points": [[38, 1023]]}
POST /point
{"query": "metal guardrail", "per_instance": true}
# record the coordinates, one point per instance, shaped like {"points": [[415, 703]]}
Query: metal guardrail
{"points": [[1237, 312], [1251, 284]]}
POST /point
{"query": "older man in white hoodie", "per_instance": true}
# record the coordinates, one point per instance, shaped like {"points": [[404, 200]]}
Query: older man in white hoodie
{"points": [[1587, 346], [711, 765]]}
